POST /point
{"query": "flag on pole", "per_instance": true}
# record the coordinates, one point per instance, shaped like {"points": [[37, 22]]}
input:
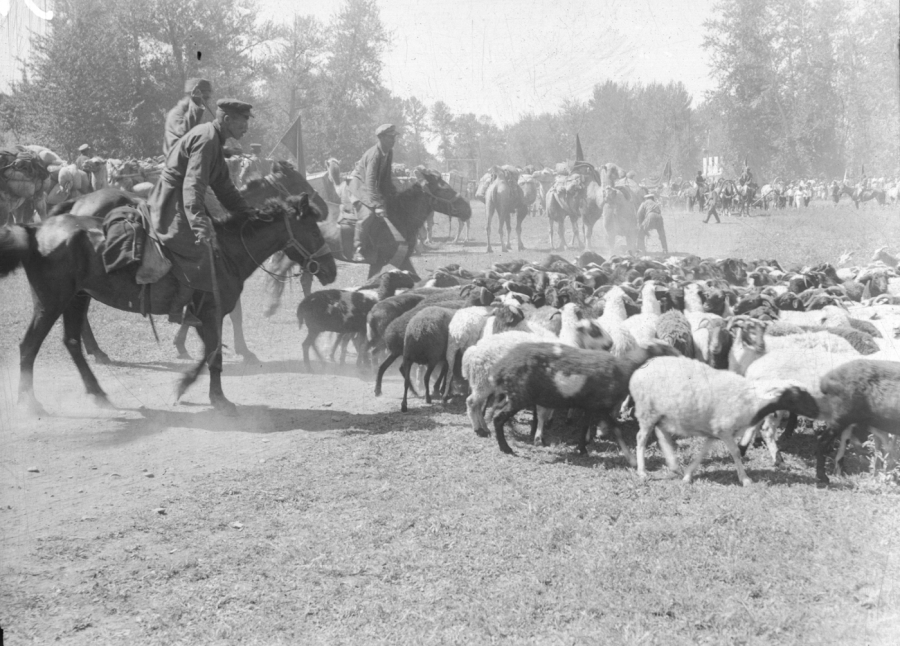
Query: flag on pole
{"points": [[293, 141], [667, 172], [579, 153]]}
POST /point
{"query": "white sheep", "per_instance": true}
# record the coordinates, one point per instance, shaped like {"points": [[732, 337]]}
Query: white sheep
{"points": [[749, 343], [711, 403], [612, 322], [643, 326], [465, 330]]}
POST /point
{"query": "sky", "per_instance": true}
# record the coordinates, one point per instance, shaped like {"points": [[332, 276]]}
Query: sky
{"points": [[501, 58], [508, 58]]}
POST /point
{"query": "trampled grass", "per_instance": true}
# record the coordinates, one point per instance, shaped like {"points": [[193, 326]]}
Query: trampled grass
{"points": [[408, 529]]}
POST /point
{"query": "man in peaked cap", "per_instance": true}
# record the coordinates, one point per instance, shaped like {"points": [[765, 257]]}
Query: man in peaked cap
{"points": [[371, 186], [178, 209], [191, 110], [649, 216]]}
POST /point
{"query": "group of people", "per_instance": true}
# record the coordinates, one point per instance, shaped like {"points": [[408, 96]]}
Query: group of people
{"points": [[194, 147]]}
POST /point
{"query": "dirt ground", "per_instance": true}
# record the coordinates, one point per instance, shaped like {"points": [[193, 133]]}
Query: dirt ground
{"points": [[82, 468]]}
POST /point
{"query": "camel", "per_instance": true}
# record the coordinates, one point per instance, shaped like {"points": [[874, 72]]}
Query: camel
{"points": [[503, 198]]}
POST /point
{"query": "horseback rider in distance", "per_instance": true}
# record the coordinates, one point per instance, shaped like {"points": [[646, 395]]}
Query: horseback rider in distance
{"points": [[178, 211], [371, 186], [191, 110], [700, 181], [746, 177]]}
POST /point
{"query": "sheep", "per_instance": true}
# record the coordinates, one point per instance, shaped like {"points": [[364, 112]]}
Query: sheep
{"points": [[674, 328], [861, 392], [557, 376], [612, 320], [828, 316], [480, 358], [750, 344], [711, 403], [464, 331], [425, 342], [643, 326], [805, 366], [343, 311], [712, 340]]}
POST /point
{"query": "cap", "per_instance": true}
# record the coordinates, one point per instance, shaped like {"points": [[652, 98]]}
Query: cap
{"points": [[255, 146], [197, 84], [385, 130], [235, 107], [83, 147]]}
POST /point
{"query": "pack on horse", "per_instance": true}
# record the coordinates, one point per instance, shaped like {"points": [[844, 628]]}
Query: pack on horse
{"points": [[406, 212], [63, 260], [565, 200], [22, 184]]}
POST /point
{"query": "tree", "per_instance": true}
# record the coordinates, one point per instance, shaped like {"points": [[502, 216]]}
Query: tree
{"points": [[416, 116], [442, 127]]}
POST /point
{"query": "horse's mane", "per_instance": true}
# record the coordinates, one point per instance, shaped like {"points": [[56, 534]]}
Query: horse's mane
{"points": [[272, 208]]}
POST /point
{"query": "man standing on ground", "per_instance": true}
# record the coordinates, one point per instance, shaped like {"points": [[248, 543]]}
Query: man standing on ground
{"points": [[178, 211], [190, 111], [371, 186], [712, 201]]}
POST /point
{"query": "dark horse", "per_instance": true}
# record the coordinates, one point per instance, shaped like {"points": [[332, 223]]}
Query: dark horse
{"points": [[63, 263], [407, 212], [282, 182]]}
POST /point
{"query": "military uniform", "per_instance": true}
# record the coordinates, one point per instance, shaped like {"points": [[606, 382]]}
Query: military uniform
{"points": [[371, 185], [177, 200], [185, 115]]}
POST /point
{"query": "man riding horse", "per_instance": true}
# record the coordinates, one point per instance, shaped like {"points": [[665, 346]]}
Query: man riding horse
{"points": [[190, 111], [371, 187], [178, 210]]}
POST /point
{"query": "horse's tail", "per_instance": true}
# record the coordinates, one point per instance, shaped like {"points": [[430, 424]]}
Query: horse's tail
{"points": [[17, 245]]}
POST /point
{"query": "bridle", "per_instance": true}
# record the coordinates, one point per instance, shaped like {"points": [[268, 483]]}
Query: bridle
{"points": [[309, 262]]}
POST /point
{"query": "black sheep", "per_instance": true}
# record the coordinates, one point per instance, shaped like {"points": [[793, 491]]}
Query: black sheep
{"points": [[862, 392], [558, 376]]}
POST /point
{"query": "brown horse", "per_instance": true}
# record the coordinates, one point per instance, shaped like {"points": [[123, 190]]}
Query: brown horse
{"points": [[62, 259]]}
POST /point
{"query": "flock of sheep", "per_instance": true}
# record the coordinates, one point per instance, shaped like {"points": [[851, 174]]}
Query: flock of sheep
{"points": [[722, 349]]}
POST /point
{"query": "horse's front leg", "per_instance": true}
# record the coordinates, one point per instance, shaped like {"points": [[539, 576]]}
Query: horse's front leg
{"points": [[73, 319], [519, 219], [240, 344], [180, 340], [212, 350], [87, 336], [42, 322]]}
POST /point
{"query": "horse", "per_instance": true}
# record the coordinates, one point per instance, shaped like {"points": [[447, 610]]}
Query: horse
{"points": [[502, 198], [283, 181], [695, 195], [561, 205], [746, 196], [63, 262], [618, 217], [728, 193], [22, 184], [406, 212]]}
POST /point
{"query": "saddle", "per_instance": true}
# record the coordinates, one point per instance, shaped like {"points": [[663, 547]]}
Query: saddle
{"points": [[23, 161], [130, 245]]}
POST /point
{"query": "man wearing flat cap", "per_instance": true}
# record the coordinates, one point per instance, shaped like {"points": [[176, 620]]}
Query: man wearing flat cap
{"points": [[178, 210], [190, 111], [371, 186]]}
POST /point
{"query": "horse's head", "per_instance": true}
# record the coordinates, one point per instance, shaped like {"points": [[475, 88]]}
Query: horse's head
{"points": [[283, 182], [444, 199], [305, 243]]}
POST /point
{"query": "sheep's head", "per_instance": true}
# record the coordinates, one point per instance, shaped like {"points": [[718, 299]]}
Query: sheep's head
{"points": [[591, 336]]}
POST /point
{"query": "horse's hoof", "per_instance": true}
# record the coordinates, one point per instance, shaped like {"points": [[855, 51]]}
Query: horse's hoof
{"points": [[102, 358], [249, 357], [480, 432], [521, 247], [102, 401], [183, 354], [490, 249], [31, 407], [224, 407]]}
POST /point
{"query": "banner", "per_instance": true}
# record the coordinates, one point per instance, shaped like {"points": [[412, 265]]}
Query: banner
{"points": [[293, 141]]}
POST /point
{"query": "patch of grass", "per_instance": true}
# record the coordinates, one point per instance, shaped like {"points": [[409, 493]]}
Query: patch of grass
{"points": [[436, 537]]}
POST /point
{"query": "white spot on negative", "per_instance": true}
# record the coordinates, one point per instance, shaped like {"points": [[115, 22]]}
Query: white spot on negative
{"points": [[569, 385]]}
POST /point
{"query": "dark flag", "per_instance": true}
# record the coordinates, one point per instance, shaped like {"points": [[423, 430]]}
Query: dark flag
{"points": [[293, 141], [579, 153]]}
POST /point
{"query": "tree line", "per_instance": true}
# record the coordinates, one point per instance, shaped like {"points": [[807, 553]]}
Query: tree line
{"points": [[804, 87]]}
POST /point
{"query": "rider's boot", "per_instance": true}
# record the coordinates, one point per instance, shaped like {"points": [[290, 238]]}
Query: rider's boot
{"points": [[180, 309]]}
